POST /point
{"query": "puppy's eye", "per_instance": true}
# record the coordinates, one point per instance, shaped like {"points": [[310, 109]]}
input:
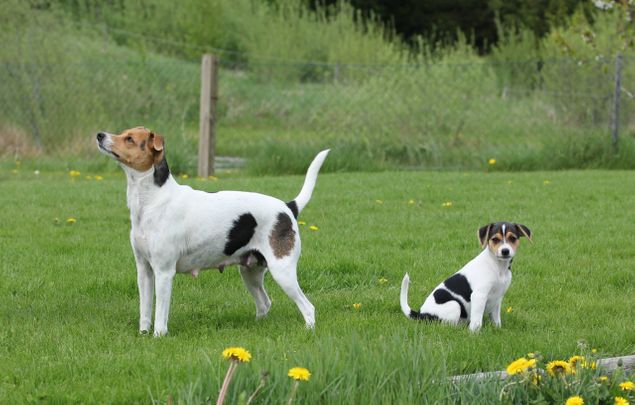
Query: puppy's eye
{"points": [[496, 240], [129, 139], [512, 239]]}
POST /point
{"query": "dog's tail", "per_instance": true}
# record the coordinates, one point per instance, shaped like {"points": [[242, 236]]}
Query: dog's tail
{"points": [[405, 308], [298, 203]]}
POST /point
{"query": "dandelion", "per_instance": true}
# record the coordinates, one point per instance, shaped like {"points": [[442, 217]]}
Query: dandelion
{"points": [[37, 172], [627, 386], [185, 176], [411, 202], [531, 355], [621, 401], [546, 182], [71, 220], [301, 223], [491, 162], [213, 178], [313, 228], [575, 360], [235, 355], [88, 177], [298, 374], [520, 365], [99, 178], [379, 201], [382, 280], [447, 204], [558, 367], [509, 310], [577, 400], [74, 173], [14, 171], [594, 350], [603, 378], [357, 306]]}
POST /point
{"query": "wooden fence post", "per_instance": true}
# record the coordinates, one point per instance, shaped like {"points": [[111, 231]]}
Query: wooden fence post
{"points": [[615, 118], [207, 122]]}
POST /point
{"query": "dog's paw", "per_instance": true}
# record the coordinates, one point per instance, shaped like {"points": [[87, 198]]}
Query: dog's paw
{"points": [[475, 327], [160, 332]]}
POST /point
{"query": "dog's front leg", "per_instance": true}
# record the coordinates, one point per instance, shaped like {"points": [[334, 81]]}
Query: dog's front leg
{"points": [[145, 282], [495, 314], [477, 309], [163, 276]]}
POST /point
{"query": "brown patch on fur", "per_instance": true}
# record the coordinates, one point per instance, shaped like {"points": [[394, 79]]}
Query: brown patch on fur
{"points": [[130, 146], [282, 236], [495, 241]]}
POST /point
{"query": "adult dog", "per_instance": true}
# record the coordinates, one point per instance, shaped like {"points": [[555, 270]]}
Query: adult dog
{"points": [[176, 229]]}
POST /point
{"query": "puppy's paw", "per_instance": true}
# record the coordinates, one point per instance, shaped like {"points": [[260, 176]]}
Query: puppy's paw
{"points": [[160, 332]]}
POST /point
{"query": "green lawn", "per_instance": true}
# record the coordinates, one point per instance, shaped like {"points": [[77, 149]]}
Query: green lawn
{"points": [[69, 304]]}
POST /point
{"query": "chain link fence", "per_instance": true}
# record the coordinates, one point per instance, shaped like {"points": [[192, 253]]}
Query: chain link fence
{"points": [[437, 114]]}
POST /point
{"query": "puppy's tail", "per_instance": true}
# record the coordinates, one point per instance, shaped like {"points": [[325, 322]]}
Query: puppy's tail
{"points": [[298, 203], [405, 308]]}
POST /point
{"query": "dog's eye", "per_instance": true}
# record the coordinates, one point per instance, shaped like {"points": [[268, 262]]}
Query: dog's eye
{"points": [[129, 139], [512, 239], [496, 240]]}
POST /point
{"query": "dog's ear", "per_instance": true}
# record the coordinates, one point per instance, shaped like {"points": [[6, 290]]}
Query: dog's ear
{"points": [[156, 142], [525, 231], [483, 234]]}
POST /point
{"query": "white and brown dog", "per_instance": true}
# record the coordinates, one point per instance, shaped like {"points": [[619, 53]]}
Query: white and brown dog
{"points": [[479, 287], [176, 229]]}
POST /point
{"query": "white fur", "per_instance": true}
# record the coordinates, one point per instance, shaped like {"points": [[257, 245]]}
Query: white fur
{"points": [[176, 229], [489, 277]]}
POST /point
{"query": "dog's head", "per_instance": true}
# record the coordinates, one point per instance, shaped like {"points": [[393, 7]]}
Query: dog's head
{"points": [[503, 238], [137, 148]]}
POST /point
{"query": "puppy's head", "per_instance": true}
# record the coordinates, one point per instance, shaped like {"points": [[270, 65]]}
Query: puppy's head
{"points": [[137, 148], [503, 238]]}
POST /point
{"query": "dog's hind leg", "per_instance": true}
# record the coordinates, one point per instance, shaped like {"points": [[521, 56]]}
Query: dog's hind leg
{"points": [[284, 273], [449, 312], [254, 281]]}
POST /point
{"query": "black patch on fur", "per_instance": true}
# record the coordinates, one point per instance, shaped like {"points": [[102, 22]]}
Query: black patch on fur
{"points": [[293, 206], [442, 296], [282, 237], [459, 285], [142, 145], [240, 234], [261, 261], [423, 316], [161, 172]]}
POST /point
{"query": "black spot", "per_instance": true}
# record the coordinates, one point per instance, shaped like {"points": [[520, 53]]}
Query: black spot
{"points": [[442, 296], [161, 172], [293, 206], [142, 145], [240, 234], [260, 259], [459, 285], [282, 237], [423, 316]]}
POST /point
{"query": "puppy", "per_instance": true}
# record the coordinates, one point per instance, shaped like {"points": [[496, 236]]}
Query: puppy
{"points": [[477, 288], [176, 229]]}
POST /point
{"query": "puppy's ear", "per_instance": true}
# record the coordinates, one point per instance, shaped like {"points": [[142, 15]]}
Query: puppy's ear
{"points": [[156, 143], [525, 231], [483, 234]]}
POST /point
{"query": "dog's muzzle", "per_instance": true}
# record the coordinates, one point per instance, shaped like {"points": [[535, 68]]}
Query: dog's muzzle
{"points": [[101, 136]]}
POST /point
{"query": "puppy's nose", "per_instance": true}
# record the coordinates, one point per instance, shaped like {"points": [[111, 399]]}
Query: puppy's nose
{"points": [[100, 136], [505, 252]]}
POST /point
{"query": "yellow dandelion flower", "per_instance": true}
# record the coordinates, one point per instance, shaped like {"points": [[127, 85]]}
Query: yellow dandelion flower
{"points": [[299, 374], [99, 178], [88, 177], [621, 401], [447, 204], [546, 182], [577, 360], [74, 173], [577, 400], [71, 221], [558, 367], [357, 306], [627, 386], [603, 378], [185, 176], [379, 201], [382, 281], [14, 171], [520, 365], [531, 355], [411, 202], [237, 353], [536, 378], [491, 162], [301, 223], [213, 178], [313, 228], [594, 350], [509, 310]]}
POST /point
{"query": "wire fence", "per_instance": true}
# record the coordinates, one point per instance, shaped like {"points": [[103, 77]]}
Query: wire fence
{"points": [[404, 113]]}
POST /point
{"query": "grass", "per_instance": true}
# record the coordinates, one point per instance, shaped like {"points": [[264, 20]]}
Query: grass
{"points": [[69, 303]]}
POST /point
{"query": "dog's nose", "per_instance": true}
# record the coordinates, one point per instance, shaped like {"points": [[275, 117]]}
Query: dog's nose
{"points": [[100, 136], [505, 252]]}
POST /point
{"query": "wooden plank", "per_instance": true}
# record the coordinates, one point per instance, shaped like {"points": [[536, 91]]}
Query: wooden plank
{"points": [[207, 122]]}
